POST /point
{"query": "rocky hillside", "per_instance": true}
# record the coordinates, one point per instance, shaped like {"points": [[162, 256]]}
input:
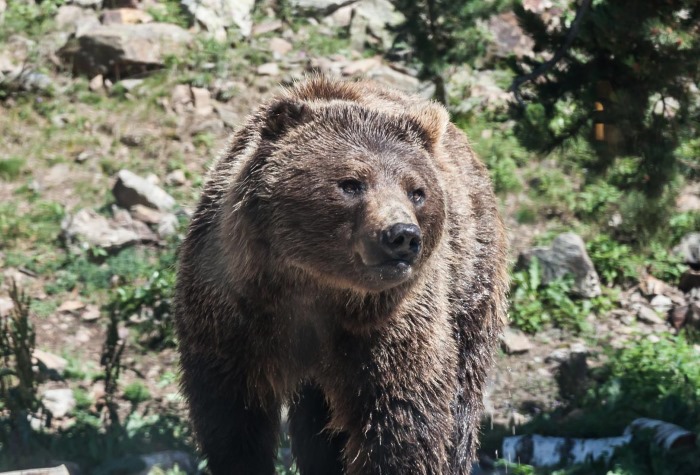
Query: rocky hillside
{"points": [[110, 113]]}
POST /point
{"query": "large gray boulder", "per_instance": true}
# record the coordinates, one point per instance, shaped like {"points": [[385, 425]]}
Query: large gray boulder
{"points": [[120, 50], [566, 256]]}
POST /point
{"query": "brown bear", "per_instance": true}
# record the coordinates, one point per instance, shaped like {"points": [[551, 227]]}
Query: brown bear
{"points": [[347, 259]]}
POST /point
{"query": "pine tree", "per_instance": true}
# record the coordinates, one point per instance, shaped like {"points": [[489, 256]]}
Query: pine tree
{"points": [[444, 32], [623, 76]]}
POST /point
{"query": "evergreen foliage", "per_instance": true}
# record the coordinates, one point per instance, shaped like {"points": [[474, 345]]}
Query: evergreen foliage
{"points": [[627, 84], [445, 32]]}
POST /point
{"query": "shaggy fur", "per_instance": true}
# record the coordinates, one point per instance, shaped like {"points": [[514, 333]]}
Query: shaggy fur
{"points": [[283, 297]]}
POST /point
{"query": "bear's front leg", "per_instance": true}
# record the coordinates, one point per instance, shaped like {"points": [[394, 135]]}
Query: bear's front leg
{"points": [[236, 433], [393, 403]]}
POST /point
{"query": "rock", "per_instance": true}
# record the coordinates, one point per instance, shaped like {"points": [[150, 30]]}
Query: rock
{"points": [[167, 226], [25, 79], [651, 286], [70, 306], [377, 17], [145, 214], [394, 78], [340, 18], [94, 230], [647, 314], [130, 190], [59, 401], [181, 98], [97, 83], [228, 115], [52, 363], [76, 20], [123, 218], [279, 47], [124, 49], [91, 314], [508, 37], [361, 66], [218, 15], [476, 91], [689, 249], [566, 256], [268, 69], [67, 468], [168, 460], [689, 198], [175, 178], [515, 342], [87, 3], [661, 303], [689, 280], [202, 101], [267, 27], [129, 84], [125, 16], [322, 7], [6, 306]]}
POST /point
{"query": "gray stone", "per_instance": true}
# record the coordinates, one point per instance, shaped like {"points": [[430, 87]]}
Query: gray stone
{"points": [[123, 218], [91, 313], [323, 7], [167, 226], [201, 99], [125, 16], [175, 178], [514, 342], [648, 315], [131, 189], [59, 401], [87, 3], [145, 214], [73, 19], [378, 17], [94, 230], [268, 69], [279, 47], [689, 249], [50, 362], [394, 78], [567, 256], [218, 15], [121, 49], [129, 85], [661, 303]]}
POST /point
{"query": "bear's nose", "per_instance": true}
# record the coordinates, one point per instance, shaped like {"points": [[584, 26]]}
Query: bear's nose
{"points": [[401, 241]]}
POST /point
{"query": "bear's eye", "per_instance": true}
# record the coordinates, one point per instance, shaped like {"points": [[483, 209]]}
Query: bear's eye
{"points": [[351, 187], [417, 196]]}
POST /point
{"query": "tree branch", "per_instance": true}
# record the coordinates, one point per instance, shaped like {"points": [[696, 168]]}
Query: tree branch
{"points": [[546, 66]]}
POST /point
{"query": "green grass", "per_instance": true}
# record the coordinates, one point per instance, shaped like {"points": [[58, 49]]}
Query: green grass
{"points": [[11, 168]]}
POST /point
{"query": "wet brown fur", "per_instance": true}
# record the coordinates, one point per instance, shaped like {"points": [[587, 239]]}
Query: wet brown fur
{"points": [[272, 306]]}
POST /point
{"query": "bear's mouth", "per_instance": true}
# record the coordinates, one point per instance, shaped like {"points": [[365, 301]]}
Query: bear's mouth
{"points": [[391, 270]]}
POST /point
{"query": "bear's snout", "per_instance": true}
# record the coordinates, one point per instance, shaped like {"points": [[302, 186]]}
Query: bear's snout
{"points": [[401, 242]]}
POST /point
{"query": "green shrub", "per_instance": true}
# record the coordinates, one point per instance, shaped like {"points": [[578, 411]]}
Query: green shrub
{"points": [[615, 262], [136, 393], [535, 305]]}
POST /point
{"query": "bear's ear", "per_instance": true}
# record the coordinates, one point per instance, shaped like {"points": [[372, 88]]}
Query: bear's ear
{"points": [[433, 120], [282, 116]]}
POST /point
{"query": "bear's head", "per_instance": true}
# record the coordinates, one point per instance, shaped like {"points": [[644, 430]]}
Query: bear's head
{"points": [[347, 193]]}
